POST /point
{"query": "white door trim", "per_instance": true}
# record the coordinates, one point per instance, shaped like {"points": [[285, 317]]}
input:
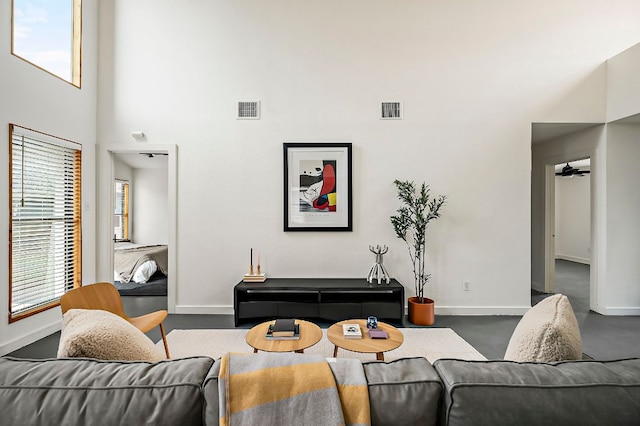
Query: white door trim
{"points": [[104, 200]]}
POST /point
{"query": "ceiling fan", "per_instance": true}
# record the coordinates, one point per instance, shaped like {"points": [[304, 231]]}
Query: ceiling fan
{"points": [[153, 154], [571, 171]]}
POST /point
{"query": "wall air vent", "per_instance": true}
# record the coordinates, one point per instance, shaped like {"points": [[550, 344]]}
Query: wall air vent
{"points": [[248, 110], [391, 111]]}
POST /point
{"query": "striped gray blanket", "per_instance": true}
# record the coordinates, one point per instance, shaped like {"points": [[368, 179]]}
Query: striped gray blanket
{"points": [[291, 389]]}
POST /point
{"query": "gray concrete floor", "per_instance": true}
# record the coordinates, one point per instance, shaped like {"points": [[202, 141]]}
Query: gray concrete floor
{"points": [[603, 337]]}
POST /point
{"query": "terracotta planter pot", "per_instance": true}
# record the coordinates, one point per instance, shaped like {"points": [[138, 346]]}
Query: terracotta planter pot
{"points": [[421, 313]]}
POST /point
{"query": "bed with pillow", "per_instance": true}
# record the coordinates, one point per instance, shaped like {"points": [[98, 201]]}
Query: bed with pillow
{"points": [[140, 269]]}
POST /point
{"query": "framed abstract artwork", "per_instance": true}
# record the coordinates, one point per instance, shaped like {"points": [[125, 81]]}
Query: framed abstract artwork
{"points": [[317, 186]]}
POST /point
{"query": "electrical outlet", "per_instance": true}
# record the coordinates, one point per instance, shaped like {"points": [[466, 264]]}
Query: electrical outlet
{"points": [[465, 286]]}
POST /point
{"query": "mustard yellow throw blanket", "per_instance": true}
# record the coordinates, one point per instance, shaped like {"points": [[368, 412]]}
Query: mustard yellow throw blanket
{"points": [[291, 389]]}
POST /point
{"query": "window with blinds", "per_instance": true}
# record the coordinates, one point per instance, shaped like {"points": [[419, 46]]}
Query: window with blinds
{"points": [[121, 204], [45, 225]]}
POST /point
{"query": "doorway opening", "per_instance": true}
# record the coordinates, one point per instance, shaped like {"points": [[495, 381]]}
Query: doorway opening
{"points": [[141, 226], [570, 246], [141, 207]]}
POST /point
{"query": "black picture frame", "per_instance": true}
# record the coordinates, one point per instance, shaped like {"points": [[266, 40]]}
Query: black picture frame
{"points": [[318, 186]]}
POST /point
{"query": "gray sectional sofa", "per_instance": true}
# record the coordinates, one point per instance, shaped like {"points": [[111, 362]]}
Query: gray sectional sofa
{"points": [[409, 391]]}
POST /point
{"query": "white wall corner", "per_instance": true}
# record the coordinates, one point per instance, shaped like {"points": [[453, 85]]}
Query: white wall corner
{"points": [[27, 339]]}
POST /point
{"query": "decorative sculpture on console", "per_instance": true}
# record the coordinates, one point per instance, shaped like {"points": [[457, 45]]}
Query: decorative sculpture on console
{"points": [[378, 270]]}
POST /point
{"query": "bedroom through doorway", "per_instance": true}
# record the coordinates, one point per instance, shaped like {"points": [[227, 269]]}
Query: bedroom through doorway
{"points": [[141, 235]]}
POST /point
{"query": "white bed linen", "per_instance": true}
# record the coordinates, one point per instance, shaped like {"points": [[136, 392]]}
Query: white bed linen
{"points": [[144, 271]]}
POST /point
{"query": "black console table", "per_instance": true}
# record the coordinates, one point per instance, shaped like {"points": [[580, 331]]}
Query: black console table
{"points": [[331, 299]]}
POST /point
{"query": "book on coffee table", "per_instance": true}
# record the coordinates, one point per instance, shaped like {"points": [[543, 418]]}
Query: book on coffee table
{"points": [[351, 331], [376, 333], [284, 327], [271, 336]]}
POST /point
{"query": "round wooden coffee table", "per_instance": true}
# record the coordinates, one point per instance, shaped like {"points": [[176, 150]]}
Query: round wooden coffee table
{"points": [[366, 344], [310, 334]]}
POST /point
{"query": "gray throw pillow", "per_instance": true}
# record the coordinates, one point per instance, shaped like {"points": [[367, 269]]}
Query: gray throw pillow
{"points": [[547, 332]]}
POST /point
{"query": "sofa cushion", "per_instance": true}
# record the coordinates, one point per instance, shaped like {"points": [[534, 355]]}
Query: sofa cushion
{"points": [[91, 392], [547, 332], [563, 393], [93, 333], [211, 394], [410, 383]]}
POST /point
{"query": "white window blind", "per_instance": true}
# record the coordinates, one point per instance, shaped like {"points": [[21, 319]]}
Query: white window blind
{"points": [[45, 220], [121, 205]]}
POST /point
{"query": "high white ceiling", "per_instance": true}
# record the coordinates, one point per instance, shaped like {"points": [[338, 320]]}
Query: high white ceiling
{"points": [[542, 132], [634, 119], [143, 161]]}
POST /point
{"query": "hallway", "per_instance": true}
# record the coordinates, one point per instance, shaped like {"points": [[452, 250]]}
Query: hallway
{"points": [[603, 337], [572, 280]]}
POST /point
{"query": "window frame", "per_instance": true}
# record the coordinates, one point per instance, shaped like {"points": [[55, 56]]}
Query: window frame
{"points": [[76, 45], [72, 246]]}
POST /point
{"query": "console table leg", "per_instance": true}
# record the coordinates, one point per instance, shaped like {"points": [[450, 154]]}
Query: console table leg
{"points": [[379, 356], [335, 351], [255, 351]]}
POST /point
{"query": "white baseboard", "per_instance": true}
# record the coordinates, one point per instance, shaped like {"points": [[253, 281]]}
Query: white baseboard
{"points": [[27, 339], [633, 311], [585, 261], [204, 310], [481, 310], [440, 310]]}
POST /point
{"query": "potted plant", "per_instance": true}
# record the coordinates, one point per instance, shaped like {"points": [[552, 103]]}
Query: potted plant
{"points": [[410, 225]]}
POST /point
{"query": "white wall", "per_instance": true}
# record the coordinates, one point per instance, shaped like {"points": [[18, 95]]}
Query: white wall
{"points": [[623, 200], [472, 78], [573, 218], [623, 83], [37, 100], [623, 207], [150, 202], [121, 170]]}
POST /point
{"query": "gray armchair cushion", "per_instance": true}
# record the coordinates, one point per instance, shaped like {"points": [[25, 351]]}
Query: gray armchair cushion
{"points": [[92, 392], [562, 393]]}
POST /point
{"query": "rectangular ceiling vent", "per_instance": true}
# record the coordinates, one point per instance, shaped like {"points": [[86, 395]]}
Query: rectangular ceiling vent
{"points": [[391, 111], [248, 110]]}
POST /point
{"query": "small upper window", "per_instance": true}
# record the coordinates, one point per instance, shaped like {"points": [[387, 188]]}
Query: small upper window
{"points": [[47, 33]]}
